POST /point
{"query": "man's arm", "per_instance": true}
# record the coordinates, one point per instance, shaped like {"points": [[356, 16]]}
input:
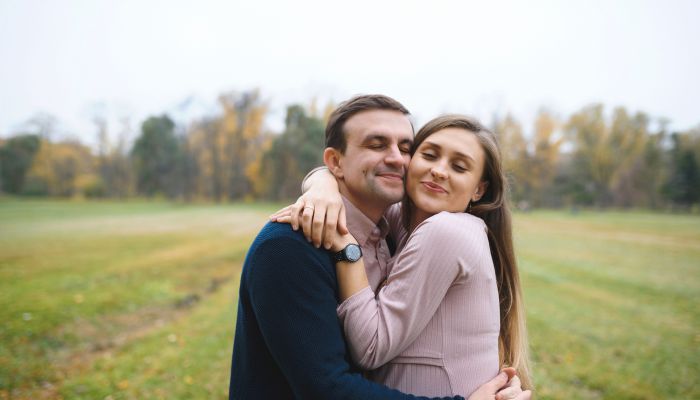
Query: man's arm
{"points": [[506, 386], [293, 296]]}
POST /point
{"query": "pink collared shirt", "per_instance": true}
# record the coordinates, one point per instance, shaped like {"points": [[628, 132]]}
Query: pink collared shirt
{"points": [[433, 329], [371, 237]]}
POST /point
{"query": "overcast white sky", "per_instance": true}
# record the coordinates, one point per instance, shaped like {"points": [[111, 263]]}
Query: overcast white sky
{"points": [[143, 57]]}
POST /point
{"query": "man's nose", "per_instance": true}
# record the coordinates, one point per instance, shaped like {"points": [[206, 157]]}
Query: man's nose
{"points": [[394, 156]]}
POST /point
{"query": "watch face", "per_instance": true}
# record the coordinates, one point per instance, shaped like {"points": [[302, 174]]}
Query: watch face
{"points": [[353, 252]]}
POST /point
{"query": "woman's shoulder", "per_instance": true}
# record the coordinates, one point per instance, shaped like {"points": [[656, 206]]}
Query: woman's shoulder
{"points": [[455, 221], [448, 228], [460, 237]]}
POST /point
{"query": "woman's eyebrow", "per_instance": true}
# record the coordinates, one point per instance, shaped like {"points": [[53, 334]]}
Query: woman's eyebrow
{"points": [[432, 144], [457, 153], [465, 156]]}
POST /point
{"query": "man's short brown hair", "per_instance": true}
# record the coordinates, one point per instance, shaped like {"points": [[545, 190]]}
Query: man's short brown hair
{"points": [[335, 130]]}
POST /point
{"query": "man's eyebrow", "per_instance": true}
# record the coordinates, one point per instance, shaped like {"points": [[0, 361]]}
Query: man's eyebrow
{"points": [[376, 136], [379, 137]]}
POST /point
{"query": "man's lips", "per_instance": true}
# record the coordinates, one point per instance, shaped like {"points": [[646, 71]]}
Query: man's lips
{"points": [[433, 187], [391, 176]]}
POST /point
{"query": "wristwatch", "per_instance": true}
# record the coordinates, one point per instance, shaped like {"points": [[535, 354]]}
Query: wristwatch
{"points": [[350, 253]]}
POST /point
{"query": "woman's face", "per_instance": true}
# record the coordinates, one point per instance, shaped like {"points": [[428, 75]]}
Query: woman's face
{"points": [[445, 172]]}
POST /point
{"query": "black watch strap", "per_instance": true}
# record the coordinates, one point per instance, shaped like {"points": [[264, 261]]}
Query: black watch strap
{"points": [[351, 253]]}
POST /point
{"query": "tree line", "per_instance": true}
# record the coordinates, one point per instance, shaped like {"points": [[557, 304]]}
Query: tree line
{"points": [[589, 158]]}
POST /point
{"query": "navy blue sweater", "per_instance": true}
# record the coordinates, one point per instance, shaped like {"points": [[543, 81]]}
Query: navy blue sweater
{"points": [[289, 344]]}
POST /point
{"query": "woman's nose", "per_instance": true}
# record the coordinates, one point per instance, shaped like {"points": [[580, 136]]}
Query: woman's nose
{"points": [[438, 172]]}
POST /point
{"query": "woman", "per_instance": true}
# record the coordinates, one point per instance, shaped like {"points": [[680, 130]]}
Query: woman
{"points": [[450, 313]]}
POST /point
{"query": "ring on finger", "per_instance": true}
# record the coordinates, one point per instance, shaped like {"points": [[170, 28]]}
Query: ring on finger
{"points": [[309, 206]]}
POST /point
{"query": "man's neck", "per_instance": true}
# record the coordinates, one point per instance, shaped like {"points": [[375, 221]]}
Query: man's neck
{"points": [[372, 211]]}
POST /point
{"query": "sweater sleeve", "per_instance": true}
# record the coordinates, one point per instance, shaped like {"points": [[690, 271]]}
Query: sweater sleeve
{"points": [[294, 300], [440, 251]]}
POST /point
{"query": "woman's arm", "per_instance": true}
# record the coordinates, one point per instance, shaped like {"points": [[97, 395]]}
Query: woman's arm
{"points": [[442, 249], [351, 276], [319, 211]]}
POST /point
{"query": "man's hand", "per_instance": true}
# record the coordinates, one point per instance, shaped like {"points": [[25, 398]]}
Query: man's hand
{"points": [[505, 386]]}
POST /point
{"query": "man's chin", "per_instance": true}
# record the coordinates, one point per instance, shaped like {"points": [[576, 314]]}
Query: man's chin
{"points": [[392, 197]]}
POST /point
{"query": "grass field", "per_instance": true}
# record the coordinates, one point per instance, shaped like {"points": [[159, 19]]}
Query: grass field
{"points": [[137, 300]]}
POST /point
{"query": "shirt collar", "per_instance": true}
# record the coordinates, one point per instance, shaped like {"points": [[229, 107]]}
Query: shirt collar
{"points": [[361, 227]]}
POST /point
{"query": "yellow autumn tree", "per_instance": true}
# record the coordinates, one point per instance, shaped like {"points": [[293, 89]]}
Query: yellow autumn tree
{"points": [[225, 147], [515, 156], [544, 156], [64, 169]]}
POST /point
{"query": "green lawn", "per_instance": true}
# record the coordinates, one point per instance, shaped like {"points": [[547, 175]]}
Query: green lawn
{"points": [[612, 301], [105, 300]]}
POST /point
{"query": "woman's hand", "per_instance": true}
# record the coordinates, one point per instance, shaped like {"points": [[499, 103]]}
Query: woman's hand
{"points": [[320, 211], [342, 241]]}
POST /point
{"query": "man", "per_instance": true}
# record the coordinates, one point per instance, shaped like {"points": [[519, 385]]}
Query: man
{"points": [[288, 341]]}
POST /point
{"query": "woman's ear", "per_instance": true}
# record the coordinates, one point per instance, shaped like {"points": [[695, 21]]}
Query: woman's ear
{"points": [[480, 190], [333, 160]]}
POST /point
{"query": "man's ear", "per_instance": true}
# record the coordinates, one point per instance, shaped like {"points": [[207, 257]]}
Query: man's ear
{"points": [[480, 190], [334, 161]]}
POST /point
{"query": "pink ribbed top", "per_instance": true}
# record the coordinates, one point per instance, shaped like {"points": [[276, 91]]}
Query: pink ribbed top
{"points": [[433, 329]]}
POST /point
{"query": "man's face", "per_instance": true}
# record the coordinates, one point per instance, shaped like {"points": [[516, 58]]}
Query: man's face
{"points": [[376, 158]]}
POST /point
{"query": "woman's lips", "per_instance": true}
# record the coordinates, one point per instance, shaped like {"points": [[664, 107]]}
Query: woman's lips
{"points": [[434, 187]]}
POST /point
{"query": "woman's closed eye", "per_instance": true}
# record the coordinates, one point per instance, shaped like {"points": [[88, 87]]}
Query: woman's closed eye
{"points": [[460, 168], [429, 155]]}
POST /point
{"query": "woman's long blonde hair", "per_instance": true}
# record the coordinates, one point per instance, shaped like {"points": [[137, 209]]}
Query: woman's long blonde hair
{"points": [[493, 209]]}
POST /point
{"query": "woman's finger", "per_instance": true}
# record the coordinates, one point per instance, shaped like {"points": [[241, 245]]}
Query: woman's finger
{"points": [[329, 230], [281, 211], [342, 221], [297, 208], [307, 215], [317, 224], [278, 217]]}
